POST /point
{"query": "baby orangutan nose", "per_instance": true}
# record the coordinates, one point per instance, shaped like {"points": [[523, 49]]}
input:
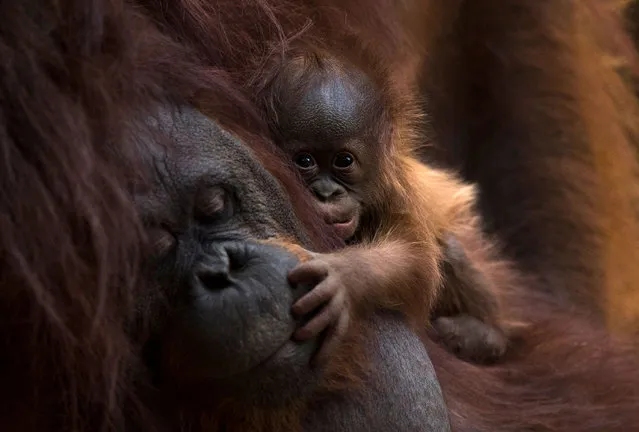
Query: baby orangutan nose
{"points": [[326, 190]]}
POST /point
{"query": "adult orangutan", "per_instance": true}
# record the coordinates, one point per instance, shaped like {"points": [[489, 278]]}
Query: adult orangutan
{"points": [[92, 344], [100, 341]]}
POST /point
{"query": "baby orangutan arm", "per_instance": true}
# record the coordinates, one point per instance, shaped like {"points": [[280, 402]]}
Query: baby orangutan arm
{"points": [[390, 275], [359, 280], [466, 316]]}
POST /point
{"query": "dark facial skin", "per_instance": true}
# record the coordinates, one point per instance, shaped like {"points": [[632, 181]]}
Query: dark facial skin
{"points": [[221, 300], [222, 332], [328, 135]]}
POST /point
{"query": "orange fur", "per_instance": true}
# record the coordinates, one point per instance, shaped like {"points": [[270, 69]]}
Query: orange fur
{"points": [[419, 206], [410, 210], [79, 71], [300, 253]]}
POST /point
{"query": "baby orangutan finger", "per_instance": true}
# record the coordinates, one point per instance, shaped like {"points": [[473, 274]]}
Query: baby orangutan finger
{"points": [[311, 272], [328, 314], [319, 295], [335, 334]]}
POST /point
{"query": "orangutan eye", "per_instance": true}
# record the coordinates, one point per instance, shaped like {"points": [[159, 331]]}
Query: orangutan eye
{"points": [[210, 201], [304, 161], [160, 241], [343, 160]]}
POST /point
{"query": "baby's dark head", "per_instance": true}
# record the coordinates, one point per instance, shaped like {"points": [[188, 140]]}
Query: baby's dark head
{"points": [[331, 120]]}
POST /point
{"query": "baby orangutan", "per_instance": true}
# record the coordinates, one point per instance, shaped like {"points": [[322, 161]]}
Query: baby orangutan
{"points": [[415, 241]]}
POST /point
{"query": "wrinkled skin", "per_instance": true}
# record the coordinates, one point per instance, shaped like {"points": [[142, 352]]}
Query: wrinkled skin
{"points": [[227, 330], [207, 216]]}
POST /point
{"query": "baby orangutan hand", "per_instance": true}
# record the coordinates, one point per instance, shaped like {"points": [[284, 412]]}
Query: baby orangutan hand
{"points": [[329, 301]]}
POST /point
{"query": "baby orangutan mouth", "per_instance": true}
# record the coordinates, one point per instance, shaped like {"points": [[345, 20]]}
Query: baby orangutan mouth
{"points": [[346, 227]]}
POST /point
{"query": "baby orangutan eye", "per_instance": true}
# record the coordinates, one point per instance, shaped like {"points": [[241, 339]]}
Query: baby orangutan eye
{"points": [[343, 160], [304, 161]]}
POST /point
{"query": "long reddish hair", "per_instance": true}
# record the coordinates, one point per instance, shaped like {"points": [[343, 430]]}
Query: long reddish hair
{"points": [[74, 77]]}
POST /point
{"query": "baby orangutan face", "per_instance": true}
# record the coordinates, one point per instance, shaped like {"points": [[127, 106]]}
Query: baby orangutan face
{"points": [[336, 178], [329, 132]]}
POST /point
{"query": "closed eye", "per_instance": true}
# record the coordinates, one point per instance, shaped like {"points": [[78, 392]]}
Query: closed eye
{"points": [[160, 241]]}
